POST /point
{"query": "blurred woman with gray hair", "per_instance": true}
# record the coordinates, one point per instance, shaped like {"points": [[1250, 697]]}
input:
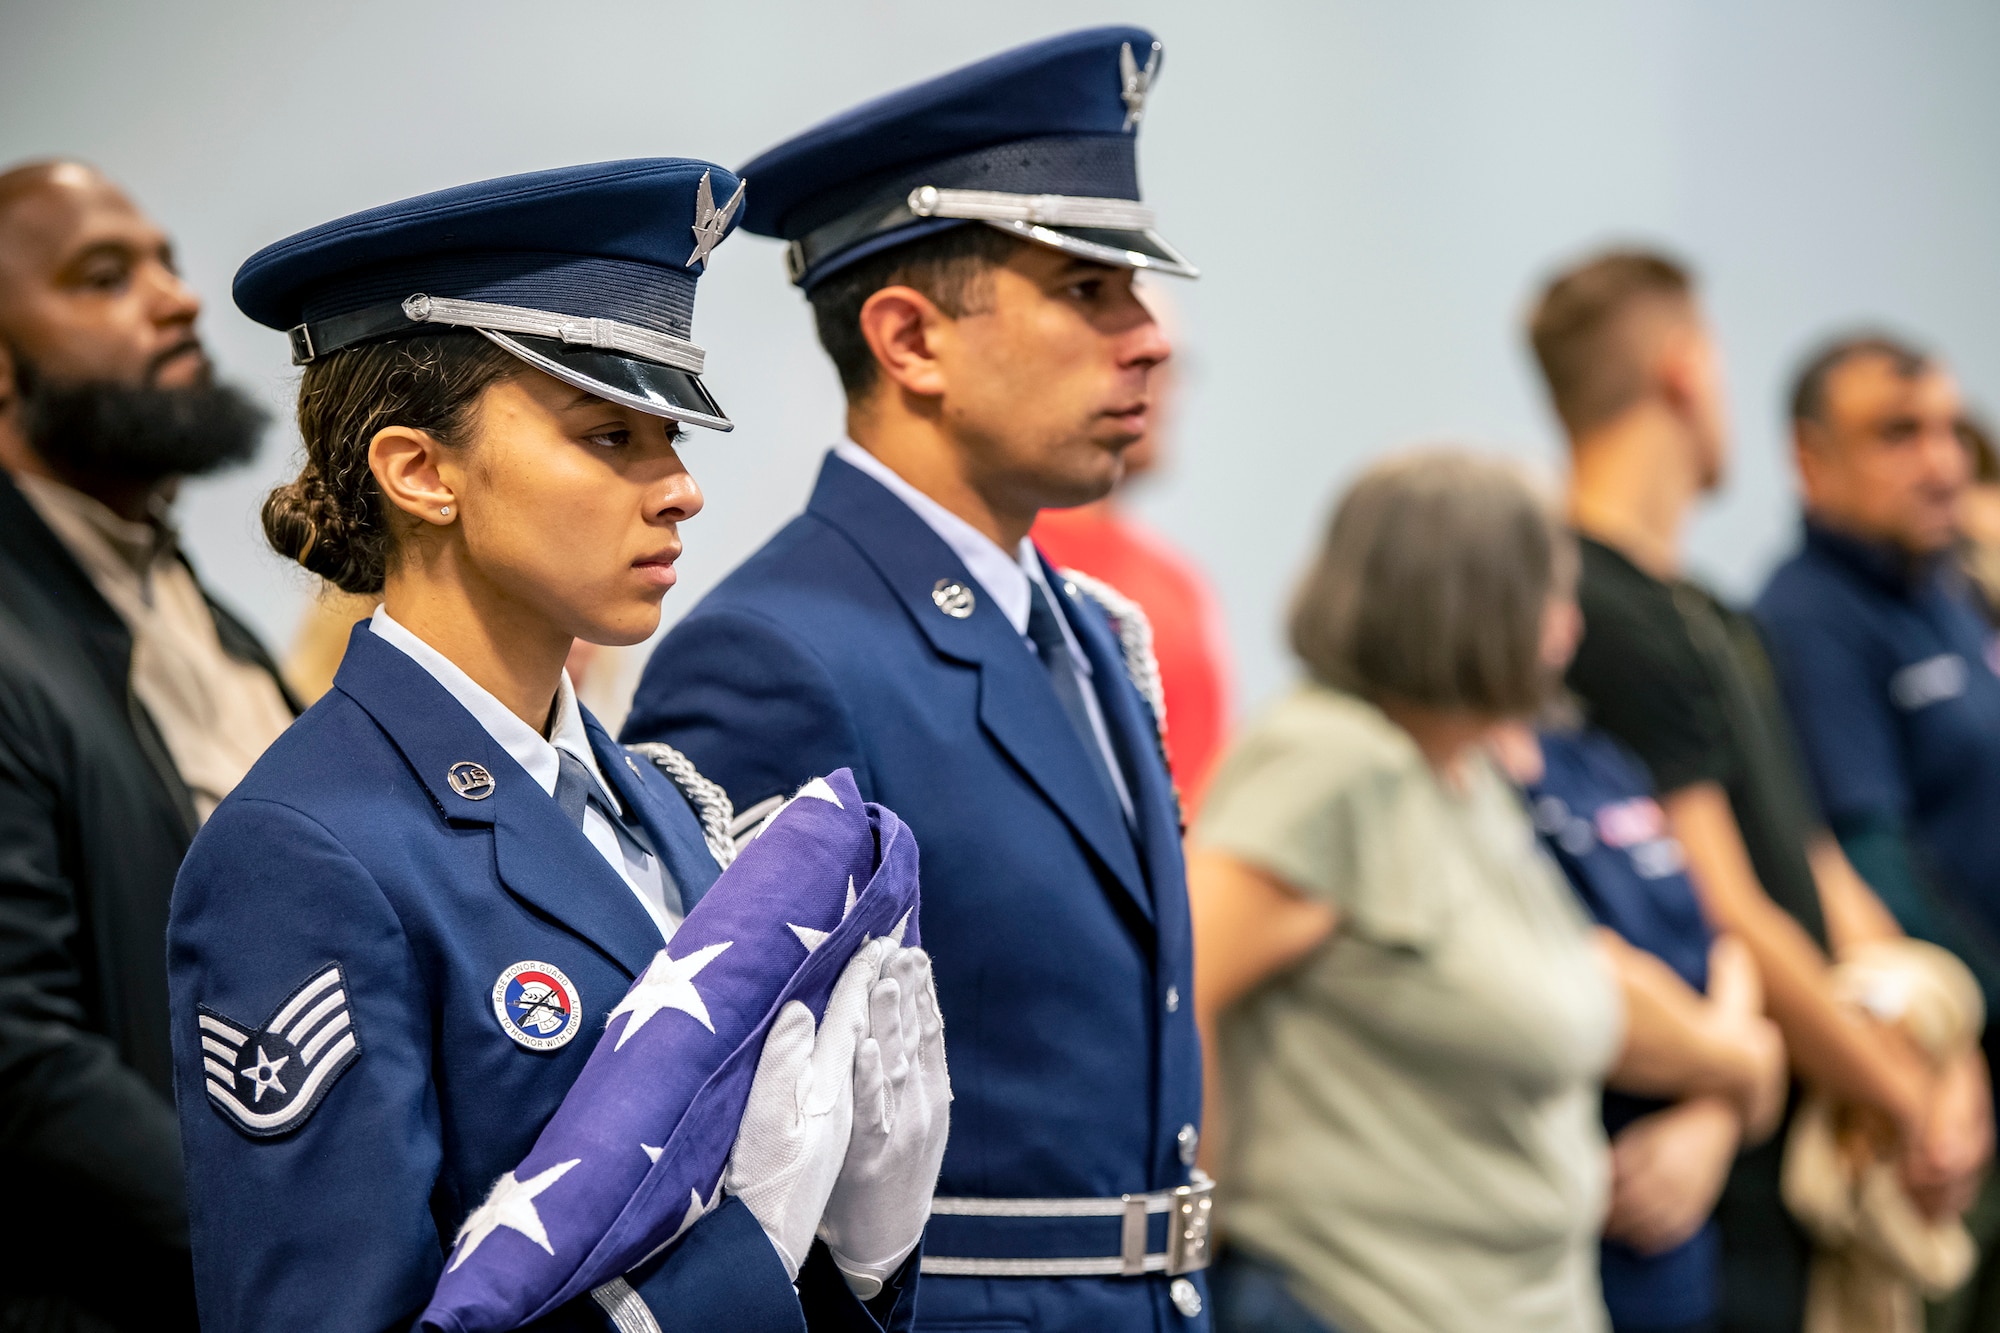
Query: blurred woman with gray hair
{"points": [[1415, 1021]]}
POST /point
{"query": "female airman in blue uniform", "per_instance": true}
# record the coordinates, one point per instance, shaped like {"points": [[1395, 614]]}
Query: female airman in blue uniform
{"points": [[387, 943]]}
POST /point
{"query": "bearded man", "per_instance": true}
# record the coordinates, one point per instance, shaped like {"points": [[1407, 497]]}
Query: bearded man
{"points": [[129, 705]]}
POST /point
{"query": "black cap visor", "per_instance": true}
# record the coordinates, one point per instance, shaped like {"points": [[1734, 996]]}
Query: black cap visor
{"points": [[644, 386], [1123, 248]]}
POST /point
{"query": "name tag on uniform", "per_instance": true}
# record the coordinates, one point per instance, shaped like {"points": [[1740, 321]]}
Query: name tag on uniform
{"points": [[1931, 681]]}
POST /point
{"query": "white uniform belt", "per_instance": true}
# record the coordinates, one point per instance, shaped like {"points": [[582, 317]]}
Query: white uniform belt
{"points": [[1187, 1248]]}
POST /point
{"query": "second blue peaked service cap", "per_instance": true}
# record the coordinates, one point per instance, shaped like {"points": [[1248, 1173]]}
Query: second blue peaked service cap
{"points": [[1040, 141], [586, 273]]}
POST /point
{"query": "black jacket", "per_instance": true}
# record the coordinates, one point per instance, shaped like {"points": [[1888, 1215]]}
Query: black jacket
{"points": [[94, 820]]}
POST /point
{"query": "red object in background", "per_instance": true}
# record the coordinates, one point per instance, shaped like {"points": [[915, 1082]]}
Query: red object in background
{"points": [[1187, 627]]}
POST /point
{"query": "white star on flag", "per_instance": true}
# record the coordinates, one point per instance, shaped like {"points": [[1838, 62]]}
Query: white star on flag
{"points": [[811, 938], [817, 789], [668, 984], [511, 1205], [697, 1209]]}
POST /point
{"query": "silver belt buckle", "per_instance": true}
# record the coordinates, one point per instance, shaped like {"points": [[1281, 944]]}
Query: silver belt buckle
{"points": [[1189, 1212], [1132, 1235]]}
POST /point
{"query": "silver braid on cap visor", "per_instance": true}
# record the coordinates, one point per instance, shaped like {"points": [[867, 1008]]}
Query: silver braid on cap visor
{"points": [[627, 344], [609, 335], [1034, 217], [1048, 210]]}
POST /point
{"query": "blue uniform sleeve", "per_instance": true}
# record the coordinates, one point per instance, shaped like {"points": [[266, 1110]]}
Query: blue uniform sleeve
{"points": [[1839, 705], [751, 705], [831, 1307], [321, 1218]]}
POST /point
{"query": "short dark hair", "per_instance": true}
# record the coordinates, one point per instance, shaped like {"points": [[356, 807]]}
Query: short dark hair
{"points": [[949, 267], [1581, 329], [1810, 385]]}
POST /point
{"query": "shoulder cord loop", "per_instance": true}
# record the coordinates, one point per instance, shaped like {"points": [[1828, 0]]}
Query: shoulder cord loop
{"points": [[709, 800], [1142, 666], [1135, 639]]}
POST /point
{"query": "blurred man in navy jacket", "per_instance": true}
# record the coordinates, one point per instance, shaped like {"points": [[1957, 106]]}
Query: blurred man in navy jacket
{"points": [[1886, 663], [129, 705]]}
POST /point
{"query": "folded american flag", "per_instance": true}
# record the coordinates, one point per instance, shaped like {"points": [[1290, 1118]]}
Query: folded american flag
{"points": [[636, 1152]]}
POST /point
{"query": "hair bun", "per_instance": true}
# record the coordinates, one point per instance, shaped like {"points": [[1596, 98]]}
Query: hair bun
{"points": [[304, 522]]}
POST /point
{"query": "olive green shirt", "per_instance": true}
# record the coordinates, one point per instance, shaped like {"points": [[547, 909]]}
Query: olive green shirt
{"points": [[1411, 1114]]}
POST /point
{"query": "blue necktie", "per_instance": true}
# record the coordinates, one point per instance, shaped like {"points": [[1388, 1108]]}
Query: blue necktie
{"points": [[577, 790], [1045, 632]]}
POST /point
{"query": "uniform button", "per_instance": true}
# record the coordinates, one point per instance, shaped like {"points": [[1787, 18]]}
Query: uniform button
{"points": [[1189, 1139], [1173, 999], [1186, 1299]]}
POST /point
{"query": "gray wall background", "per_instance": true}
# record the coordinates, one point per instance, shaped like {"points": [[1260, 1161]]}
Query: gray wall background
{"points": [[1371, 188]]}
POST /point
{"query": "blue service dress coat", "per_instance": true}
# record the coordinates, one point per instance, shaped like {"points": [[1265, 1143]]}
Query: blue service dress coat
{"points": [[348, 846], [1060, 934]]}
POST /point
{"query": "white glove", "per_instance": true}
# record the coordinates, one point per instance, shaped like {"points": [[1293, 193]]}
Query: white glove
{"points": [[796, 1122], [902, 1112]]}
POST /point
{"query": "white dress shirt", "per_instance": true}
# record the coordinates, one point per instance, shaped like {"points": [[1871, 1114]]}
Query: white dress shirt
{"points": [[641, 872], [1010, 580]]}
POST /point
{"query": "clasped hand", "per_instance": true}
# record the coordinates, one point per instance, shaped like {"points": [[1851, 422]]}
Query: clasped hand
{"points": [[844, 1129]]}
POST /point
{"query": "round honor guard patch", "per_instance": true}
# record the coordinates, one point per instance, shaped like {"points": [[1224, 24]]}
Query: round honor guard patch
{"points": [[537, 1006], [470, 780], [953, 598]]}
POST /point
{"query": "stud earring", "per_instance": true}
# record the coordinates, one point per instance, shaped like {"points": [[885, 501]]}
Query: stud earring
{"points": [[445, 510]]}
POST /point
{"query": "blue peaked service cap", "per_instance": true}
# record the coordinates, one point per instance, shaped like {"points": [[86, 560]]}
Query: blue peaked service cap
{"points": [[1040, 142], [586, 273]]}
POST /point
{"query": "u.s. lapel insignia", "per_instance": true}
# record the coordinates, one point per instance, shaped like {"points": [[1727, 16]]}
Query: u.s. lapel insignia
{"points": [[953, 598], [537, 1006], [1135, 83], [470, 780], [266, 1080], [711, 224]]}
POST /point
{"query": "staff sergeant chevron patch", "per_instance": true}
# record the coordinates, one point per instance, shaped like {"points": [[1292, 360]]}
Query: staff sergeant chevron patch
{"points": [[267, 1080]]}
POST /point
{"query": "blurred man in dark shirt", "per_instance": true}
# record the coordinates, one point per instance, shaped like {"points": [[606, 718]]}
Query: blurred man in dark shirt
{"points": [[1681, 679], [129, 705]]}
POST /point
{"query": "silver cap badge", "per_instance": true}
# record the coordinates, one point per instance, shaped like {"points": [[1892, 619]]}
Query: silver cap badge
{"points": [[710, 222], [1137, 82]]}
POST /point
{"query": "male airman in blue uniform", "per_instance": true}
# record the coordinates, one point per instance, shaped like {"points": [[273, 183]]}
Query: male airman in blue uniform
{"points": [[969, 247]]}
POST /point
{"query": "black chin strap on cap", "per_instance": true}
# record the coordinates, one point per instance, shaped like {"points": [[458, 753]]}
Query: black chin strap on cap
{"points": [[309, 341]]}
